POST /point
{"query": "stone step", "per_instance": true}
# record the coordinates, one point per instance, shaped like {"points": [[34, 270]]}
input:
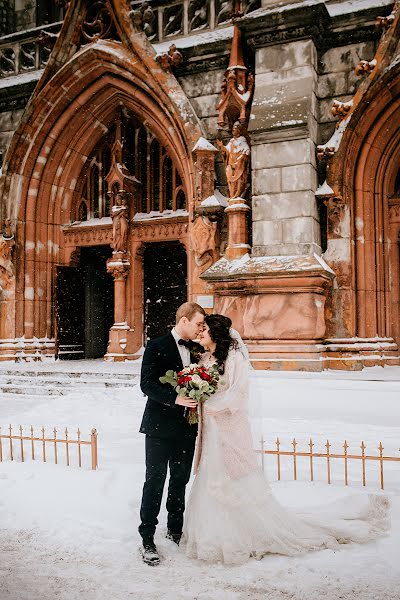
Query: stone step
{"points": [[67, 375], [47, 386]]}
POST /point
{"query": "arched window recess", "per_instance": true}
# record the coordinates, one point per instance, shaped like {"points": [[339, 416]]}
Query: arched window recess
{"points": [[144, 158]]}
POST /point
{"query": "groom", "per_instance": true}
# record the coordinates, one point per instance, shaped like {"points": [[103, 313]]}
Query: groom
{"points": [[170, 440]]}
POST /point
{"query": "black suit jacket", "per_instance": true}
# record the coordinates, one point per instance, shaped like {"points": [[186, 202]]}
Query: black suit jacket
{"points": [[162, 417]]}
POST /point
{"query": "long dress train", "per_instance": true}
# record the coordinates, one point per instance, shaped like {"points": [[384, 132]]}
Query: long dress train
{"points": [[232, 513]]}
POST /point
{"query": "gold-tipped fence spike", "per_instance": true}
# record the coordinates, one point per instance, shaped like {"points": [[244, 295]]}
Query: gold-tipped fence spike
{"points": [[43, 445], [55, 446], [311, 445], [94, 449], [294, 444], [32, 444], [363, 446], [262, 444], [328, 460], [66, 446], [54, 440], [21, 437], [278, 457], [11, 444], [381, 449], [346, 473], [79, 448]]}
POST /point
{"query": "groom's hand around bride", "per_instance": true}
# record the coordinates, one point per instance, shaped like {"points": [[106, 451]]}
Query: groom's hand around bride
{"points": [[188, 402]]}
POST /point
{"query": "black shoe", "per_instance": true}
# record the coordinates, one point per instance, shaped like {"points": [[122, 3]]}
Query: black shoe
{"points": [[149, 552], [174, 537]]}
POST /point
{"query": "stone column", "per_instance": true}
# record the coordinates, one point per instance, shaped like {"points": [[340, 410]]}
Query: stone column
{"points": [[283, 129], [119, 265]]}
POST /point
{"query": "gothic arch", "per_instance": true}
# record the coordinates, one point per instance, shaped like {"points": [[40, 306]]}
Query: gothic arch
{"points": [[362, 175], [64, 120]]}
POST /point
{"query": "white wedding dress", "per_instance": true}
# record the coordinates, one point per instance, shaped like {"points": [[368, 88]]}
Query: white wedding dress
{"points": [[232, 513]]}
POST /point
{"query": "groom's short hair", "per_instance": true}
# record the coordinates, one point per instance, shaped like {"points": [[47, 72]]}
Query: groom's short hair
{"points": [[188, 310]]}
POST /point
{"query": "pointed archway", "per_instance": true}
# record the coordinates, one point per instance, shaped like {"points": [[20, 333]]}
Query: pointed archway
{"points": [[90, 76], [363, 206]]}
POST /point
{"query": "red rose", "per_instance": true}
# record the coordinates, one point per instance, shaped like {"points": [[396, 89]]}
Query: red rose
{"points": [[205, 376]]}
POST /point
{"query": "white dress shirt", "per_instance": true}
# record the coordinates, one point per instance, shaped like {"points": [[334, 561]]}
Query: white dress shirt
{"points": [[183, 351]]}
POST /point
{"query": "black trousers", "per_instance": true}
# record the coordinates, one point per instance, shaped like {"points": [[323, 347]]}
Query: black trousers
{"points": [[177, 453]]}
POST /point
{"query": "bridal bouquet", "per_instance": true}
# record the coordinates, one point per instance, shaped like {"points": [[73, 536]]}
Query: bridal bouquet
{"points": [[193, 382]]}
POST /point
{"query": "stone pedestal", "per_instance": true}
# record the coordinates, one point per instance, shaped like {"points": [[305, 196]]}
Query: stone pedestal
{"points": [[120, 332], [238, 236], [277, 305]]}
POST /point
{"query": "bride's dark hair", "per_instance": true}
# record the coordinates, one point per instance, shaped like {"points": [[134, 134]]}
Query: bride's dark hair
{"points": [[219, 332]]}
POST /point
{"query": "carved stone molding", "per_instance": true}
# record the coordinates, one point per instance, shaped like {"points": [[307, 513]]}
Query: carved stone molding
{"points": [[88, 236], [285, 35], [394, 210], [145, 231], [97, 23], [202, 65]]}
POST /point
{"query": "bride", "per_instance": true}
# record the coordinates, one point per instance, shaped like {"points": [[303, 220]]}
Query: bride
{"points": [[232, 513]]}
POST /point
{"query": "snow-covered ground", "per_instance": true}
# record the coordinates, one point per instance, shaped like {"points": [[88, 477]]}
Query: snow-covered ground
{"points": [[71, 533]]}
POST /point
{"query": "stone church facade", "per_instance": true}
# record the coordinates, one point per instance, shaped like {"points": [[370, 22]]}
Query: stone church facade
{"points": [[242, 155]]}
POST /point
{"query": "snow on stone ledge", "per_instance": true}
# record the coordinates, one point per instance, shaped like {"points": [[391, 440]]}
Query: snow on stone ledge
{"points": [[20, 79], [156, 214], [247, 266], [203, 144], [92, 222], [190, 41], [217, 199], [324, 190]]}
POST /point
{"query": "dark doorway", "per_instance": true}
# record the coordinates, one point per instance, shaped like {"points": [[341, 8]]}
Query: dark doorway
{"points": [[84, 306], [165, 286]]}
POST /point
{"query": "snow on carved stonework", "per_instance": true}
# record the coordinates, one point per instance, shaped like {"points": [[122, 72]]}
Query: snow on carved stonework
{"points": [[264, 265], [203, 144]]}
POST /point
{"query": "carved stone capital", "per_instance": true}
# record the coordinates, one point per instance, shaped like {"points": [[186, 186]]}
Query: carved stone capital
{"points": [[118, 267]]}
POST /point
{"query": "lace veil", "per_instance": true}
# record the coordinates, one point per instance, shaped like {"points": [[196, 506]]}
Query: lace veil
{"points": [[255, 400]]}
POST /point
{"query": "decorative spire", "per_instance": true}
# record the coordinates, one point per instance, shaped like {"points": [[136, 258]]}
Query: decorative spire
{"points": [[237, 88]]}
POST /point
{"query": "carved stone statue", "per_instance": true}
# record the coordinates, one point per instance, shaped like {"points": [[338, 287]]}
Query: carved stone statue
{"points": [[7, 243], [119, 213], [204, 242], [236, 156]]}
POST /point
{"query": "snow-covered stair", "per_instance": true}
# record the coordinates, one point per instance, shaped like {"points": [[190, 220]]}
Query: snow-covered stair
{"points": [[59, 383]]}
